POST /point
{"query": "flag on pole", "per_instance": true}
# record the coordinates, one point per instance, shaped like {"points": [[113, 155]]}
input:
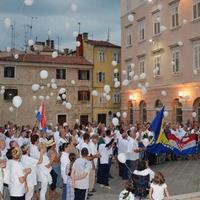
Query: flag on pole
{"points": [[41, 117]]}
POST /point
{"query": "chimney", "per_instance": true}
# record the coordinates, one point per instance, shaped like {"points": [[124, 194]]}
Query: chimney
{"points": [[85, 36], [66, 51], [52, 44], [48, 42], [79, 50]]}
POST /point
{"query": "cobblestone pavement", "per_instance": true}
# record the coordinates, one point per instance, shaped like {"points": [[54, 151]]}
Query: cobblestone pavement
{"points": [[181, 177]]}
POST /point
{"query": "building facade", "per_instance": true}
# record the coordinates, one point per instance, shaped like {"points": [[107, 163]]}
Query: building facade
{"points": [[101, 54], [69, 72], [161, 40]]}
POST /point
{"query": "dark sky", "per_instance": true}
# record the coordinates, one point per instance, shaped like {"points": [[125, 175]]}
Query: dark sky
{"points": [[95, 17]]}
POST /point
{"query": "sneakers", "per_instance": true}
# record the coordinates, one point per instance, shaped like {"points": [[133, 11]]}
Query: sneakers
{"points": [[107, 187]]}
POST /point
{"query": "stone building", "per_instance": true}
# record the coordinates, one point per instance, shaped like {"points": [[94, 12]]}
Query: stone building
{"points": [[162, 39], [69, 72]]}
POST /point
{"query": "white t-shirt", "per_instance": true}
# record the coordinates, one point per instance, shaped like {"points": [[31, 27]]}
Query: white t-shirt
{"points": [[65, 163], [132, 145], [105, 154], [29, 162], [34, 152], [17, 189], [22, 141], [80, 166], [145, 173], [107, 140], [93, 149], [122, 145], [158, 191], [129, 197]]}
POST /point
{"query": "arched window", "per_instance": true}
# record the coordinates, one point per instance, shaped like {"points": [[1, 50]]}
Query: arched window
{"points": [[143, 112], [158, 105], [196, 108], [177, 111]]}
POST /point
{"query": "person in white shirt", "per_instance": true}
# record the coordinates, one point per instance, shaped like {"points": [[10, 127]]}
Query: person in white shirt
{"points": [[29, 162], [103, 168], [127, 194], [65, 165], [158, 189], [18, 176], [133, 150], [34, 152], [93, 148], [80, 175]]}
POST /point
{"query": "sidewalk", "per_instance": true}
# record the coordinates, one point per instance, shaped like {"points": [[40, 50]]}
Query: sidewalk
{"points": [[189, 196]]}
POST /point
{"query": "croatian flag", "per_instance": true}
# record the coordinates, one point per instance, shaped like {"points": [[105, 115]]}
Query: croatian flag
{"points": [[41, 117]]}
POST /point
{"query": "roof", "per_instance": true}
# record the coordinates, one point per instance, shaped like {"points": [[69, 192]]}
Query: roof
{"points": [[101, 43], [38, 58]]}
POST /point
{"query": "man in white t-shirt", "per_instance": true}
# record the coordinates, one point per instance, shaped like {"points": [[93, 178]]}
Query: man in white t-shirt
{"points": [[80, 175]]}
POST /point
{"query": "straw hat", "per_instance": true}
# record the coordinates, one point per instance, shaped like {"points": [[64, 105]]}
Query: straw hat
{"points": [[50, 143]]}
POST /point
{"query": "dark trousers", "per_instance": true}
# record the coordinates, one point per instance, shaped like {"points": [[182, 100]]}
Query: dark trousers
{"points": [[132, 164], [17, 198], [102, 174], [54, 179], [79, 194], [123, 171]]}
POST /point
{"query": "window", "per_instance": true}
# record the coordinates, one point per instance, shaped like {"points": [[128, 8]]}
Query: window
{"points": [[174, 16], [83, 95], [128, 70], [102, 99], [176, 60], [61, 74], [141, 65], [83, 75], [116, 98], [9, 72], [141, 29], [156, 25], [177, 110], [84, 119], [101, 77], [196, 9], [101, 56], [116, 75], [116, 57], [196, 55], [10, 93], [128, 37], [61, 118], [196, 108], [157, 65], [143, 112]]}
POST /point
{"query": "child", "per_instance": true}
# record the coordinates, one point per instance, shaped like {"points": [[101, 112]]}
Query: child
{"points": [[158, 188], [127, 194]]}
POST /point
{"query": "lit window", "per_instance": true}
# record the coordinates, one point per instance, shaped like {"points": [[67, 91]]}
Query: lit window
{"points": [[196, 9], [176, 60], [157, 64], [174, 16], [141, 29], [141, 65], [196, 55]]}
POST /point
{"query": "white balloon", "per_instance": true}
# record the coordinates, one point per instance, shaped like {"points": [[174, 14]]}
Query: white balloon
{"points": [[62, 90], [41, 98], [48, 85], [8, 49], [77, 121], [2, 91], [68, 106], [142, 76], [67, 25], [155, 71], [195, 72], [7, 22], [75, 34], [115, 79], [47, 98], [117, 84], [118, 114], [180, 43], [104, 94], [36, 111], [35, 87], [125, 82], [122, 157], [44, 74], [78, 44], [163, 28], [194, 114], [135, 77], [49, 32], [114, 63], [165, 113], [51, 94], [42, 87], [115, 121], [28, 2], [73, 82], [131, 73], [132, 66], [164, 93], [160, 7], [11, 109], [130, 18], [124, 114], [17, 101], [74, 7], [94, 93], [30, 43], [116, 70], [143, 90], [124, 72], [147, 84], [108, 97], [64, 103], [34, 98], [53, 80], [54, 54], [54, 86], [3, 87], [107, 88], [16, 56], [58, 98], [139, 85], [184, 21], [145, 142], [64, 96]]}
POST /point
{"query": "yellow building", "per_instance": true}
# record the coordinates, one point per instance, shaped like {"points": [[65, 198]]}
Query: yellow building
{"points": [[102, 54]]}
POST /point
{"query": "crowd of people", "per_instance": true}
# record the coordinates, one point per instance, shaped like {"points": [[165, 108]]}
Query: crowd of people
{"points": [[34, 163]]}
